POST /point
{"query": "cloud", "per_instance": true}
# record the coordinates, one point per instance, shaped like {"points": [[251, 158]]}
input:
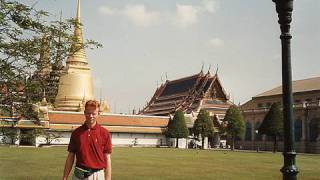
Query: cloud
{"points": [[137, 14], [107, 10], [140, 16], [209, 6], [186, 15], [216, 42]]}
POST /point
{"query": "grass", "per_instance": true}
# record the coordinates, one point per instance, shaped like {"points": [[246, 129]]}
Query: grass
{"points": [[158, 164]]}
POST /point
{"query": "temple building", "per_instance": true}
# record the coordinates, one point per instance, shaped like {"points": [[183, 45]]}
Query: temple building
{"points": [[75, 88], [306, 109], [190, 95]]}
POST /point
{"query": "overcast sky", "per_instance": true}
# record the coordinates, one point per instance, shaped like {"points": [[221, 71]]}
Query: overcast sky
{"points": [[145, 39]]}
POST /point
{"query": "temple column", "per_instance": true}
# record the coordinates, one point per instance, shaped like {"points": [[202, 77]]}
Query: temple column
{"points": [[303, 129], [305, 126]]}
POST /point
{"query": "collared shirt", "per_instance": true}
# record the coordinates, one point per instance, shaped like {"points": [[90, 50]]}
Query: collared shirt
{"points": [[90, 146]]}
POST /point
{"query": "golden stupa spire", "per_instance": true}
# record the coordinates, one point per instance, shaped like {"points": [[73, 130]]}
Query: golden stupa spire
{"points": [[78, 24], [77, 54], [77, 76], [78, 11]]}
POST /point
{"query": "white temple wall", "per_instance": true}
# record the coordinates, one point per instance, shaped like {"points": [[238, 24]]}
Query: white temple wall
{"points": [[118, 139], [137, 139], [183, 143], [62, 140]]}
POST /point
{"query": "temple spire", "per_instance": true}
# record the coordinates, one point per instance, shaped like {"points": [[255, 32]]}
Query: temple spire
{"points": [[77, 54], [209, 69], [202, 67], [76, 83], [78, 12], [217, 69]]}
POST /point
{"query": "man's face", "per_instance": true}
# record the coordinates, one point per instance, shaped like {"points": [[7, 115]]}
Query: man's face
{"points": [[91, 113]]}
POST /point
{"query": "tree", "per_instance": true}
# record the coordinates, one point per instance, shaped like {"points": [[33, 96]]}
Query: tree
{"points": [[234, 124], [9, 134], [272, 124], [203, 125], [177, 127], [22, 33]]}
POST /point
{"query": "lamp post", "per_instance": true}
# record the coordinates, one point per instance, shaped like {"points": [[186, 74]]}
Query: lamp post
{"points": [[284, 9], [257, 144]]}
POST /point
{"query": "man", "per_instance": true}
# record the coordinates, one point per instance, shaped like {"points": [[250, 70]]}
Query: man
{"points": [[91, 145]]}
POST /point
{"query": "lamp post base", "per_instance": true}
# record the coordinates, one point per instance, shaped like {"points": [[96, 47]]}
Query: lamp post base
{"points": [[289, 170]]}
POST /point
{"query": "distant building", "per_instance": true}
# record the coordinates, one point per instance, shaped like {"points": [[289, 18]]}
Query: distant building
{"points": [[306, 108], [126, 130], [190, 95]]}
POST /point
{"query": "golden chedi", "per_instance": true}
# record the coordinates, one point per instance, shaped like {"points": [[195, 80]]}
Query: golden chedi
{"points": [[76, 84]]}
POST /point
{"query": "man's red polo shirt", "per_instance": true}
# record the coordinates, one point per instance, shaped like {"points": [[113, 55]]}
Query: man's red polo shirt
{"points": [[90, 146]]}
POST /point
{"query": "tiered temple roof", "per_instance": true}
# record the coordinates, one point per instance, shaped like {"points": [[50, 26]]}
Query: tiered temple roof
{"points": [[188, 94]]}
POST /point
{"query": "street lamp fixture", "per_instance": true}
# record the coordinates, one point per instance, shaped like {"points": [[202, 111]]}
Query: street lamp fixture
{"points": [[284, 9]]}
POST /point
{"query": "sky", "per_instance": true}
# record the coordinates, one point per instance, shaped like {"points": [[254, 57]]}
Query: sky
{"points": [[145, 41]]}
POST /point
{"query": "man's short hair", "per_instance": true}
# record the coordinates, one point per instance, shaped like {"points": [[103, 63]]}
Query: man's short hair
{"points": [[92, 103]]}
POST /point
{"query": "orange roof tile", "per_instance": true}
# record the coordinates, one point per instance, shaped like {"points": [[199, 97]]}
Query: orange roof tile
{"points": [[113, 129], [110, 119]]}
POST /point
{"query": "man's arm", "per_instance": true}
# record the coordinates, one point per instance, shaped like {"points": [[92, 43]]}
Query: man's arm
{"points": [[107, 171], [68, 165]]}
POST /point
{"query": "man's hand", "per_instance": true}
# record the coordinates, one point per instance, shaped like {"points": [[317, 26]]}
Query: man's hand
{"points": [[107, 171]]}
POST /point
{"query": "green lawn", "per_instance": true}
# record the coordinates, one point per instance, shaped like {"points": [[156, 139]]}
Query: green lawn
{"points": [[157, 164]]}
